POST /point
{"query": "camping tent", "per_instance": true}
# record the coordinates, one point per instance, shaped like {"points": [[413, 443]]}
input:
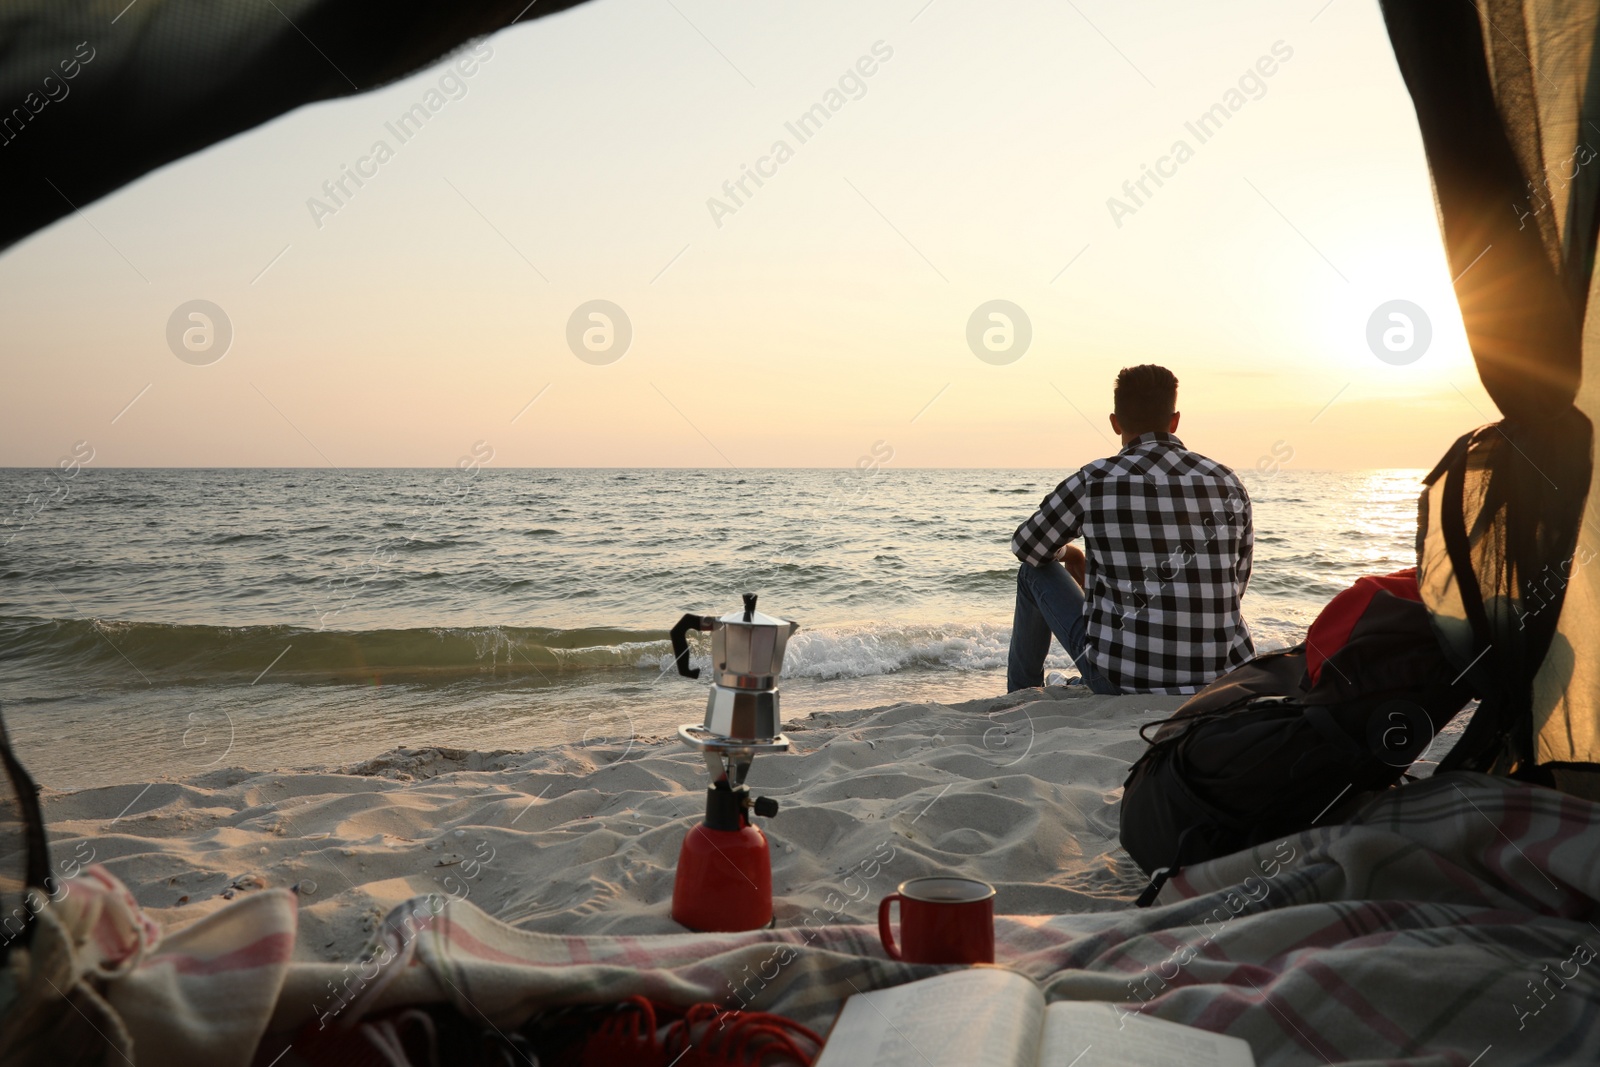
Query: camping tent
{"points": [[150, 81], [1507, 96]]}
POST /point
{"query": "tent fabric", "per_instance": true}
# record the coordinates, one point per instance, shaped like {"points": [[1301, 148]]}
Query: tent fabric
{"points": [[1507, 95], [24, 855], [95, 93]]}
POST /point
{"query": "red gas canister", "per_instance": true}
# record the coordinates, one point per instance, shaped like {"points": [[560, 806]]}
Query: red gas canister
{"points": [[724, 881]]}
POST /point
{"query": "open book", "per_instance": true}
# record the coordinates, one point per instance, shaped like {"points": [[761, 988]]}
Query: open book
{"points": [[990, 1017]]}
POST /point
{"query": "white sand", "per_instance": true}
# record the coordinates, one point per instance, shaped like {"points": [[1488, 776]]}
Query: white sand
{"points": [[1021, 791]]}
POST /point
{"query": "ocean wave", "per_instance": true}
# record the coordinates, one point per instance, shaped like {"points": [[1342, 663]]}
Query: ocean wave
{"points": [[861, 651], [241, 538], [111, 650], [982, 581], [856, 652], [423, 544]]}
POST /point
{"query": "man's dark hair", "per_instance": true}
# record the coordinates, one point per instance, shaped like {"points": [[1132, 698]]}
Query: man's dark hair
{"points": [[1145, 398]]}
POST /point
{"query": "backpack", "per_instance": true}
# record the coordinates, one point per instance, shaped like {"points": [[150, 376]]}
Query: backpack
{"points": [[1276, 744]]}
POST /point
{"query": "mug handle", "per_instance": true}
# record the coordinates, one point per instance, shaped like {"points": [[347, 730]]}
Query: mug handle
{"points": [[885, 933]]}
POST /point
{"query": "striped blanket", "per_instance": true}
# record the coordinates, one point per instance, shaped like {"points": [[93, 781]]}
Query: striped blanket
{"points": [[99, 983], [1450, 923]]}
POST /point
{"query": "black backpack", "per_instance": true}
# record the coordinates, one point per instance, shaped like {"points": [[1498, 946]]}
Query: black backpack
{"points": [[1272, 747]]}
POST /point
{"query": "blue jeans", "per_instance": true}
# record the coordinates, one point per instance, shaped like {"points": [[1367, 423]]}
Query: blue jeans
{"points": [[1049, 602]]}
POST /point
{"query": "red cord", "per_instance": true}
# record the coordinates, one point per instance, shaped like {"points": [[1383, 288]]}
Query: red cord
{"points": [[633, 1035]]}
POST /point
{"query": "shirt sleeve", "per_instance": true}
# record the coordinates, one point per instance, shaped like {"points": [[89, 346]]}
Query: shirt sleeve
{"points": [[1058, 521], [1247, 543]]}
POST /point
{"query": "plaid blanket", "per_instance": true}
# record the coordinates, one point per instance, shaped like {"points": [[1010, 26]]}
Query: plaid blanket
{"points": [[1452, 922], [100, 983], [1448, 924]]}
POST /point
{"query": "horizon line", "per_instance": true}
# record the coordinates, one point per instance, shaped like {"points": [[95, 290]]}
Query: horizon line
{"points": [[567, 467]]}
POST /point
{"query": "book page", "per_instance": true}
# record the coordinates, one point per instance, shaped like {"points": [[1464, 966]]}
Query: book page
{"points": [[984, 1017], [1094, 1034]]}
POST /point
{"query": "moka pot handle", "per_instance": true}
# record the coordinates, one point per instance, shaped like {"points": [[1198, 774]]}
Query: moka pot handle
{"points": [[680, 643]]}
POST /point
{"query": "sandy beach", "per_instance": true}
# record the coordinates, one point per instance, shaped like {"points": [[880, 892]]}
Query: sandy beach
{"points": [[1021, 791]]}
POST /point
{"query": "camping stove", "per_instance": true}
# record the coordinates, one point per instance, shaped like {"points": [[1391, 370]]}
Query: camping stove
{"points": [[724, 880]]}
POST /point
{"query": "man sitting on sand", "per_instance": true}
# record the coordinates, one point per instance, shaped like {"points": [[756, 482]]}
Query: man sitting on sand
{"points": [[1150, 604]]}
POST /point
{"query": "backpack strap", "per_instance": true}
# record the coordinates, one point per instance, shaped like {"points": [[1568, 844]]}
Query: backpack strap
{"points": [[1162, 874]]}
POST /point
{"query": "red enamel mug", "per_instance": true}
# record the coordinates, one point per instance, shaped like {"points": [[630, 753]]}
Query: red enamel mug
{"points": [[943, 919]]}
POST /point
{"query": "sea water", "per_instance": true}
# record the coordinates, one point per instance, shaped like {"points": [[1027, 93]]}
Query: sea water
{"points": [[165, 622]]}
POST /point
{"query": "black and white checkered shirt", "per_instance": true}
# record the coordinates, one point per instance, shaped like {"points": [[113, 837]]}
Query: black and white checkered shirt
{"points": [[1168, 537]]}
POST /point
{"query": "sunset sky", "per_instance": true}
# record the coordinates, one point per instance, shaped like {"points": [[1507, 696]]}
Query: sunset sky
{"points": [[410, 321]]}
